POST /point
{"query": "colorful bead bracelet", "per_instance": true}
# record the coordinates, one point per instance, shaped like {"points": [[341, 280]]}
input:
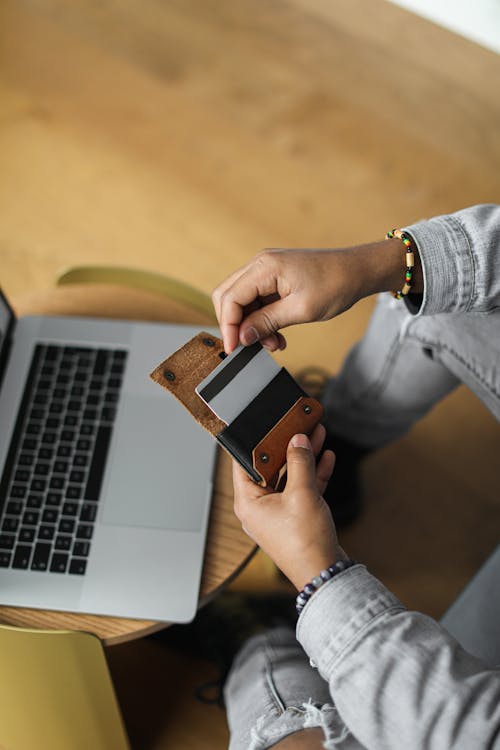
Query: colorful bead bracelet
{"points": [[410, 260], [325, 575]]}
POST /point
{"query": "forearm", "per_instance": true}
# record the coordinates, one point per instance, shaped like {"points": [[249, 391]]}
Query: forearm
{"points": [[457, 263], [343, 276], [381, 267], [397, 678]]}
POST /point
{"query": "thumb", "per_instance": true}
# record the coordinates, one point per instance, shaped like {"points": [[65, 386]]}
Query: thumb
{"points": [[267, 320], [301, 466]]}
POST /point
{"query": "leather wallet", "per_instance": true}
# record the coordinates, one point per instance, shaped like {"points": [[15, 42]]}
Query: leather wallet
{"points": [[258, 437]]}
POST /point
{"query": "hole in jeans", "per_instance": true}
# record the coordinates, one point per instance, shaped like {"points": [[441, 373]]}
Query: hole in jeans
{"points": [[428, 352]]}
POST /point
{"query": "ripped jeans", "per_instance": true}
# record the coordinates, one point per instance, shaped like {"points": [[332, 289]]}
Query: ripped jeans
{"points": [[272, 691]]}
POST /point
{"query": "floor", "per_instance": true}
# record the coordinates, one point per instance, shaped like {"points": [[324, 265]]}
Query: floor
{"points": [[184, 136]]}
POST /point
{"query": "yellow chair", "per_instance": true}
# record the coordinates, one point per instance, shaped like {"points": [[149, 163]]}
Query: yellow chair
{"points": [[56, 693], [149, 281]]}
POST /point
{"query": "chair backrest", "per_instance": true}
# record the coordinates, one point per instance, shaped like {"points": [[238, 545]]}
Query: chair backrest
{"points": [[56, 693], [173, 289]]}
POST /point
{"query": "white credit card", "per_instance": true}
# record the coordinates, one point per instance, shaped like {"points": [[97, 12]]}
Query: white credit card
{"points": [[237, 381]]}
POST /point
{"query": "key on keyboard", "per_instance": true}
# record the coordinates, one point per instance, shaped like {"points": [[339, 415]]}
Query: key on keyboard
{"points": [[53, 474]]}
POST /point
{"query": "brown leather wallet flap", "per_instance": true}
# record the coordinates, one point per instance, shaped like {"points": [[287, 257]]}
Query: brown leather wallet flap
{"points": [[269, 456], [185, 369]]}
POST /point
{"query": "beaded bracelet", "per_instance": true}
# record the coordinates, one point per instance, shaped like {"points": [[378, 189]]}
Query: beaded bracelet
{"points": [[325, 575], [410, 260]]}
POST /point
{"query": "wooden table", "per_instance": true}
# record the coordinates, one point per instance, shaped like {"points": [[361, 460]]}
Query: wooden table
{"points": [[228, 549]]}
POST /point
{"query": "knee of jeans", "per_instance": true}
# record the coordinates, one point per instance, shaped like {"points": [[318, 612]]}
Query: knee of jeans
{"points": [[254, 647], [268, 729]]}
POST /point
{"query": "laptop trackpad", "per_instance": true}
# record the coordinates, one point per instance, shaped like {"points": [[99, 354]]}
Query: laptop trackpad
{"points": [[160, 473]]}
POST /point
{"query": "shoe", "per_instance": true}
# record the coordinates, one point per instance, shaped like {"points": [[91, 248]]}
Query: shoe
{"points": [[313, 381], [343, 493], [222, 627]]}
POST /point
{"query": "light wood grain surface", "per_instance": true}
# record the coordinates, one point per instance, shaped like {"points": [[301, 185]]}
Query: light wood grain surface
{"points": [[227, 547], [183, 136]]}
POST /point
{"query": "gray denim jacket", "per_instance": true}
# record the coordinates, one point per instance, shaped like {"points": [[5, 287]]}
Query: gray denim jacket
{"points": [[460, 255], [398, 679]]}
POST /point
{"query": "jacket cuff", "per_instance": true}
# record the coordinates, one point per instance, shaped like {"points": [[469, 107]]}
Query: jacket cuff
{"points": [[339, 612], [447, 265]]}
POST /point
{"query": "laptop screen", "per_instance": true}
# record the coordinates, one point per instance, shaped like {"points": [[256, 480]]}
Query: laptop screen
{"points": [[7, 318]]}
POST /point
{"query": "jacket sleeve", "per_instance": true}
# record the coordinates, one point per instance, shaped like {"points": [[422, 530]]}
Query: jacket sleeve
{"points": [[460, 255], [397, 678]]}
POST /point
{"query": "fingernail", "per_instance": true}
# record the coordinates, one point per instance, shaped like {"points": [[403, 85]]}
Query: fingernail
{"points": [[249, 336], [301, 441]]}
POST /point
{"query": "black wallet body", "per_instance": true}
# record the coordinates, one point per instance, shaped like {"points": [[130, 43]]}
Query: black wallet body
{"points": [[258, 437]]}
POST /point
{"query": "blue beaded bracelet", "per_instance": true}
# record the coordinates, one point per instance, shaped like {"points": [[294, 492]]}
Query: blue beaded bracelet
{"points": [[325, 575]]}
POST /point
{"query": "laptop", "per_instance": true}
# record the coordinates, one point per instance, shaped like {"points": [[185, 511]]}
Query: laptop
{"points": [[106, 481]]}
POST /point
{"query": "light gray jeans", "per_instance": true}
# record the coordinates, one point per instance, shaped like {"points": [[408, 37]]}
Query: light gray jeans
{"points": [[406, 364], [401, 368]]}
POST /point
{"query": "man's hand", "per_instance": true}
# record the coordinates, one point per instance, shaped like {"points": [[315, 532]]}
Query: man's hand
{"points": [[294, 527], [279, 288]]}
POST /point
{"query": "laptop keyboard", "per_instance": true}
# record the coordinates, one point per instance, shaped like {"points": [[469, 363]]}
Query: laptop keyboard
{"points": [[52, 479]]}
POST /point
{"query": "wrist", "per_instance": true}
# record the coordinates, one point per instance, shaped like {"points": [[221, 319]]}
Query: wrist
{"points": [[311, 567], [318, 581], [382, 267]]}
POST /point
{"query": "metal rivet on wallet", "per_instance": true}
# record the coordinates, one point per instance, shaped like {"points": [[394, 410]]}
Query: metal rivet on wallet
{"points": [[264, 458], [169, 375], [307, 409], [209, 342]]}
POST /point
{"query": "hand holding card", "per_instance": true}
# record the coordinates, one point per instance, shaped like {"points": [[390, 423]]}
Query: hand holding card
{"points": [[250, 404]]}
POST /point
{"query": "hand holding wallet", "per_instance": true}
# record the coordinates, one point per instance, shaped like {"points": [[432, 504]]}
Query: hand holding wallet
{"points": [[246, 401]]}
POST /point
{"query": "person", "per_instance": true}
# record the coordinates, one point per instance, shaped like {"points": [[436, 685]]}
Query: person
{"points": [[362, 671]]}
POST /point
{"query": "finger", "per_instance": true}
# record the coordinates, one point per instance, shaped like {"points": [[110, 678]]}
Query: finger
{"points": [[233, 339], [252, 284], [268, 320], [301, 466], [230, 332], [271, 342], [245, 489], [260, 265], [221, 289], [281, 341], [274, 342], [324, 470], [242, 483], [317, 438]]}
